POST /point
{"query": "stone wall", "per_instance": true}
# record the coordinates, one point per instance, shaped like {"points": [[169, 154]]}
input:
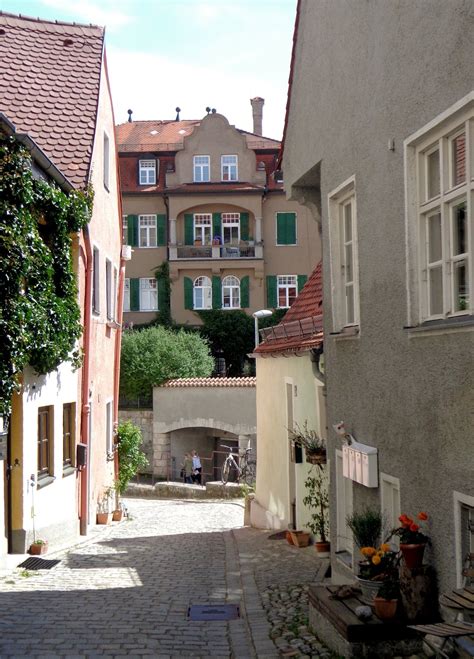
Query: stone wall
{"points": [[143, 419]]}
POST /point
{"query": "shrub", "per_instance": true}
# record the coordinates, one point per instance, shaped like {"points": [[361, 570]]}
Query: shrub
{"points": [[131, 458]]}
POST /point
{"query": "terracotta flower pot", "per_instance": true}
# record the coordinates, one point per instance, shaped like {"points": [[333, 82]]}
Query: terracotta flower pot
{"points": [[117, 515], [413, 555], [288, 537], [385, 609], [300, 538], [323, 547], [37, 549], [104, 518]]}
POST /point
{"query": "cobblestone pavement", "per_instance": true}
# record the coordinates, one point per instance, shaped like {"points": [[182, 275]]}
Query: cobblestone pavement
{"points": [[127, 592]]}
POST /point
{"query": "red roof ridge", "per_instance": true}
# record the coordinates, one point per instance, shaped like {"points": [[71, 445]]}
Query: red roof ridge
{"points": [[211, 382], [53, 23]]}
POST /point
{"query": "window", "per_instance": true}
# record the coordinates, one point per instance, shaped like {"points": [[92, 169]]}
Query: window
{"points": [[147, 172], [108, 289], [463, 534], [126, 295], [147, 230], [96, 281], [68, 434], [109, 434], [148, 295], [45, 441], [203, 228], [202, 293], [344, 507], [201, 169], [230, 292], [124, 230], [286, 228], [114, 295], [344, 255], [390, 503], [106, 161], [229, 168], [231, 228], [287, 290]]}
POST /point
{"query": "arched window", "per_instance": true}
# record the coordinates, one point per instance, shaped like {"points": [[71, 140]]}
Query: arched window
{"points": [[202, 291], [230, 292]]}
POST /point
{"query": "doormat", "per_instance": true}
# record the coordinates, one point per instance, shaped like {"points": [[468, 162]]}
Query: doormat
{"points": [[214, 612], [281, 535], [38, 564]]}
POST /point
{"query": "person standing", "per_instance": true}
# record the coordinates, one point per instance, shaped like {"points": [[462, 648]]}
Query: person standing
{"points": [[197, 467], [188, 468]]}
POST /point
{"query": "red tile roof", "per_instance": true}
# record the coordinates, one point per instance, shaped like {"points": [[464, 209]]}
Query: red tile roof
{"points": [[168, 135], [211, 382], [302, 327], [49, 87]]}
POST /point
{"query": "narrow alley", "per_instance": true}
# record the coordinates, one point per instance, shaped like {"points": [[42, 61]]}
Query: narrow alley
{"points": [[138, 578]]}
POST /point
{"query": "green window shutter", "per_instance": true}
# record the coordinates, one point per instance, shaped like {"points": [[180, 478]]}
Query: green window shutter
{"points": [[302, 279], [281, 229], [161, 230], [272, 301], [132, 230], [216, 225], [244, 226], [291, 228], [161, 286], [244, 292], [134, 294], [188, 293], [216, 293], [188, 229]]}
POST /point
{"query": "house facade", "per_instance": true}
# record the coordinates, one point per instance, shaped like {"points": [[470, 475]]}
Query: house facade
{"points": [[204, 199], [388, 171], [290, 395], [66, 120]]}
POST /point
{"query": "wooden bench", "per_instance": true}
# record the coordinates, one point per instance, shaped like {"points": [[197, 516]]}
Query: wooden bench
{"points": [[336, 624]]}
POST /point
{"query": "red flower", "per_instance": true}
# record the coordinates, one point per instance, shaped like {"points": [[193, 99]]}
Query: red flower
{"points": [[422, 516], [414, 527]]}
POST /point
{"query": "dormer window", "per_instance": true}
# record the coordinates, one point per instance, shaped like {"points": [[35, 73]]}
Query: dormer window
{"points": [[147, 172], [229, 168], [202, 168]]}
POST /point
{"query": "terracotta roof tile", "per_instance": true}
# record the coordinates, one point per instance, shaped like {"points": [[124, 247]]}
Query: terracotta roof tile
{"points": [[302, 326], [211, 382], [199, 188], [49, 88]]}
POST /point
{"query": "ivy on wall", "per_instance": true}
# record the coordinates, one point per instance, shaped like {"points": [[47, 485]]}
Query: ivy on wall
{"points": [[39, 311]]}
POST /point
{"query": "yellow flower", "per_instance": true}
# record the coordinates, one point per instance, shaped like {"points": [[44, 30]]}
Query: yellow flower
{"points": [[376, 559], [385, 548], [368, 551]]}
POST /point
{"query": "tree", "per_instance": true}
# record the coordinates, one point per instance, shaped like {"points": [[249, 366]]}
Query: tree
{"points": [[131, 458], [152, 355]]}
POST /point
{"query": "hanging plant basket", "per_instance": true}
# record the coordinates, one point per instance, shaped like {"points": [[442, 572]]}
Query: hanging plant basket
{"points": [[319, 458]]}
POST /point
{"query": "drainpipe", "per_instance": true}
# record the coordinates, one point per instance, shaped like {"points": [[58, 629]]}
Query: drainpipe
{"points": [[118, 346], [85, 412]]}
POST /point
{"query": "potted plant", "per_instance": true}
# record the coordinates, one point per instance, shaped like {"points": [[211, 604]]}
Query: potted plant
{"points": [[412, 539], [300, 538], [386, 600], [314, 446], [366, 526], [104, 507], [317, 500], [38, 547], [379, 565]]}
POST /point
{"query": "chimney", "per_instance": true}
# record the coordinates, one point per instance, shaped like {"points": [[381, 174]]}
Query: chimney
{"points": [[257, 112]]}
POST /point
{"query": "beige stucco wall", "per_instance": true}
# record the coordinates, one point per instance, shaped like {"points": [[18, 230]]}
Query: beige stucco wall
{"points": [[273, 469]]}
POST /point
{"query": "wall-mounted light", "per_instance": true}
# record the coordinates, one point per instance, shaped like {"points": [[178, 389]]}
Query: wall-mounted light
{"points": [[263, 313]]}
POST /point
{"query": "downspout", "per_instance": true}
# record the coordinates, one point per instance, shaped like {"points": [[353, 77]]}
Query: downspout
{"points": [[118, 347], [85, 412]]}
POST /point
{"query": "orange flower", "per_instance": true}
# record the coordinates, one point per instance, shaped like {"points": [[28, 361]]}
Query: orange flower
{"points": [[376, 559], [422, 516], [414, 527], [384, 547], [368, 551]]}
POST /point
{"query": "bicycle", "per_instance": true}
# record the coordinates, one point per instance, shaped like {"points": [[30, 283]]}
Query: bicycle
{"points": [[244, 470]]}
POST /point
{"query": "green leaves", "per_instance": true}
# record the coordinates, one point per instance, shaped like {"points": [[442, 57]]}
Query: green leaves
{"points": [[39, 311], [131, 458]]}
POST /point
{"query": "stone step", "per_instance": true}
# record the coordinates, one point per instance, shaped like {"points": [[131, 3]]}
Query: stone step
{"points": [[170, 490]]}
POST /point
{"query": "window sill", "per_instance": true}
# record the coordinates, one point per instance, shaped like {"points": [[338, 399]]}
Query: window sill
{"points": [[68, 470], [442, 326], [350, 332], [44, 481], [113, 324], [344, 558]]}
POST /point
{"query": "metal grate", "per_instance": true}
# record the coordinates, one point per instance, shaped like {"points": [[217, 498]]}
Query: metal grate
{"points": [[214, 612], [38, 564]]}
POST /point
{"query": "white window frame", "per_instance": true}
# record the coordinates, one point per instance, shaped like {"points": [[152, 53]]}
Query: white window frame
{"points": [[202, 284], [339, 244], [126, 295], [108, 289], [147, 223], [109, 427], [230, 221], [390, 504], [231, 289], [344, 508], [284, 284], [438, 134], [229, 169], [202, 225], [147, 293], [201, 168], [147, 170], [459, 499], [106, 156], [124, 229], [96, 281]]}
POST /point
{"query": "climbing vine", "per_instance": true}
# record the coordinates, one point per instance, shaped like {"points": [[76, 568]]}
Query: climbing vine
{"points": [[162, 274], [39, 312]]}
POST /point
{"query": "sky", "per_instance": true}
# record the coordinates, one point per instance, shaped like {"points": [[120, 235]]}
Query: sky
{"points": [[188, 53]]}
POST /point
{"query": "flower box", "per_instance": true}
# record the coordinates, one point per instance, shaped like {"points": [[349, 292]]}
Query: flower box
{"points": [[319, 458]]}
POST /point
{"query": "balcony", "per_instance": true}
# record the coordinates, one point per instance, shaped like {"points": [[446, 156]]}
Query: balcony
{"points": [[244, 250]]}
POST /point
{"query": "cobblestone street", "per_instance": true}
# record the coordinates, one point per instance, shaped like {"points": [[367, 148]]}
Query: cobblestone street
{"points": [[127, 592]]}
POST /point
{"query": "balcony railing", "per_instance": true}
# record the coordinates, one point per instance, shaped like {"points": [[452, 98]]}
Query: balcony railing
{"points": [[241, 251]]}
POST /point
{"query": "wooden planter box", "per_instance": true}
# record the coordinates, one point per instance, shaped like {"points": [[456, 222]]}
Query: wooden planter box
{"points": [[317, 458]]}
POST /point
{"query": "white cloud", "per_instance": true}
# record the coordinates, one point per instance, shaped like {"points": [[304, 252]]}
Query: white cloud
{"points": [[153, 85], [105, 13]]}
